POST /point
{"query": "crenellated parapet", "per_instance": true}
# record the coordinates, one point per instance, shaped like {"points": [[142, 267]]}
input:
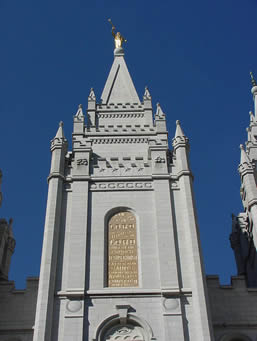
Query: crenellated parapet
{"points": [[18, 307], [233, 308]]}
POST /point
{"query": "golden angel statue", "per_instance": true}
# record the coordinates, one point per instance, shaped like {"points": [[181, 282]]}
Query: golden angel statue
{"points": [[118, 38]]}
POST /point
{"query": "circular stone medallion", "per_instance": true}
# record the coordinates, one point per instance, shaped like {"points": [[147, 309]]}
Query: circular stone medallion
{"points": [[171, 303], [74, 306]]}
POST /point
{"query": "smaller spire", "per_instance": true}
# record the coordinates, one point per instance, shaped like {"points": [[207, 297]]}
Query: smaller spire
{"points": [[91, 96], [147, 95], [60, 133], [79, 113], [253, 80]]}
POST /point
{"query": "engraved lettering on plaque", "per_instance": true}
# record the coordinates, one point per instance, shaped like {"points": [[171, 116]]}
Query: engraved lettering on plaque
{"points": [[122, 251]]}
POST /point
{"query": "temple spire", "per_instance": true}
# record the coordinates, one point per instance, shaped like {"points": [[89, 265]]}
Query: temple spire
{"points": [[119, 87]]}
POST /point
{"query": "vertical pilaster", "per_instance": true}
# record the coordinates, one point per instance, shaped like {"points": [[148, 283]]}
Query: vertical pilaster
{"points": [[191, 242], [46, 290], [165, 235]]}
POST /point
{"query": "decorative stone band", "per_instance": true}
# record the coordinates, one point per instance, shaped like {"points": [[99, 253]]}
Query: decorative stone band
{"points": [[119, 140], [121, 186], [120, 106], [121, 115]]}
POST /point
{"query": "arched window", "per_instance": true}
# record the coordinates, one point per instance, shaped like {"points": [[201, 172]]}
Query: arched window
{"points": [[122, 250]]}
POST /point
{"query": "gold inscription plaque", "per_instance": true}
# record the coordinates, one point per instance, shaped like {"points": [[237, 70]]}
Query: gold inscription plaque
{"points": [[122, 251]]}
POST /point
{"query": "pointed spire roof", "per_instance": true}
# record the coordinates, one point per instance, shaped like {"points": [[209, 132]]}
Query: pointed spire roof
{"points": [[244, 157], [147, 95], [159, 112], [119, 87], [79, 113], [59, 140], [91, 96], [60, 132], [179, 132]]}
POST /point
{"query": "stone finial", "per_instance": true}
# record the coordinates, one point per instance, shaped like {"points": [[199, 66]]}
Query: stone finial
{"points": [[91, 96], [147, 95]]}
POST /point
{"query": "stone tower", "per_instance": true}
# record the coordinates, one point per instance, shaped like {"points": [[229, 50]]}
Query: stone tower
{"points": [[121, 255], [244, 227]]}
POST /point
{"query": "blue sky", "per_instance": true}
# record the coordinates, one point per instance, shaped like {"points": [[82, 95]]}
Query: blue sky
{"points": [[195, 57]]}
